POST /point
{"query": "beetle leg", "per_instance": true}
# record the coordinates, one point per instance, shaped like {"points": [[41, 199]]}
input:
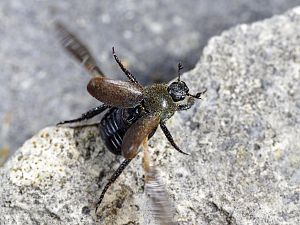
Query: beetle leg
{"points": [[112, 179], [128, 74], [188, 105], [88, 115], [146, 159], [170, 138], [190, 101], [137, 133], [78, 50]]}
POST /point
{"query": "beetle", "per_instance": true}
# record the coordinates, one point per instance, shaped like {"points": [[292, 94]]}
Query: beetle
{"points": [[133, 112]]}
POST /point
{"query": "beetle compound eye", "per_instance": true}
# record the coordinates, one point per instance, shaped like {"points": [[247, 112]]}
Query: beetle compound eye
{"points": [[178, 91]]}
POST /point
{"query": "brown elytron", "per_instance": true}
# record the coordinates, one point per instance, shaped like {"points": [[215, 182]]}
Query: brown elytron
{"points": [[133, 112]]}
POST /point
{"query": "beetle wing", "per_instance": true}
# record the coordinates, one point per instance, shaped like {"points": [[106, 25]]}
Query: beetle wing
{"points": [[137, 133], [115, 92], [161, 208], [80, 52]]}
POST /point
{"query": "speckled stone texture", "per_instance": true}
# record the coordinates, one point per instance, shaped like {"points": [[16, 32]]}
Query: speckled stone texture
{"points": [[41, 85], [243, 140]]}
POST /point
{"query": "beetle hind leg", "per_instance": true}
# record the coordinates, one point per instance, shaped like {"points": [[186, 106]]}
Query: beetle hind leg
{"points": [[88, 115], [112, 179]]}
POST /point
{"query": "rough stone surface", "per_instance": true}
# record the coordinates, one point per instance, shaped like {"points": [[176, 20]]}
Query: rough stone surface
{"points": [[41, 85], [243, 138]]}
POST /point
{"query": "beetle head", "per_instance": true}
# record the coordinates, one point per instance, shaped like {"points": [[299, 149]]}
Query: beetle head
{"points": [[179, 90]]}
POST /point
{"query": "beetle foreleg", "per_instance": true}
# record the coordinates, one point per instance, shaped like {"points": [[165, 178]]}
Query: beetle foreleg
{"points": [[190, 101], [88, 115], [188, 105], [170, 138]]}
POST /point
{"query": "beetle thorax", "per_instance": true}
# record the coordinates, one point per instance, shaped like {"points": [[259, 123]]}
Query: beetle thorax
{"points": [[158, 100]]}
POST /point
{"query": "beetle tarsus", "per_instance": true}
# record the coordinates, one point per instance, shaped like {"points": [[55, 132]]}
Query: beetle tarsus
{"points": [[170, 138]]}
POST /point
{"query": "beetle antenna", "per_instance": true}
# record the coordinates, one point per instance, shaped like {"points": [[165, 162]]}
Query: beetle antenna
{"points": [[198, 95], [180, 67]]}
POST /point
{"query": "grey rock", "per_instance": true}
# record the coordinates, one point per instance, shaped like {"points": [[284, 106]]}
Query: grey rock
{"points": [[41, 85], [243, 139]]}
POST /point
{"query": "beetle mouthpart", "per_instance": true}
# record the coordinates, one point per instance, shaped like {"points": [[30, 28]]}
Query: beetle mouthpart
{"points": [[198, 95]]}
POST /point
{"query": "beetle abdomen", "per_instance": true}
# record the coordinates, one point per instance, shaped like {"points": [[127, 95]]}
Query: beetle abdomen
{"points": [[114, 125]]}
